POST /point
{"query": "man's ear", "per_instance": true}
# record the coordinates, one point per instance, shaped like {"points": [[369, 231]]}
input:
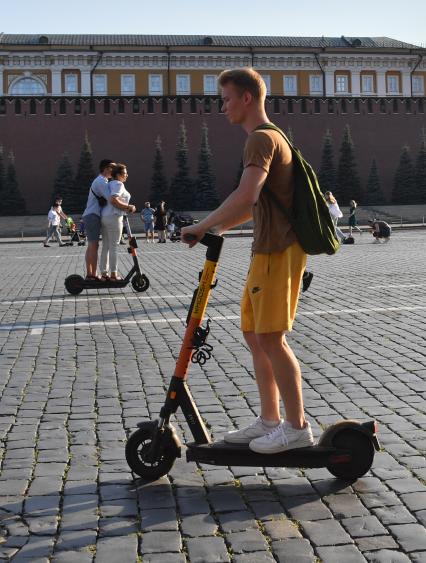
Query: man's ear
{"points": [[247, 98]]}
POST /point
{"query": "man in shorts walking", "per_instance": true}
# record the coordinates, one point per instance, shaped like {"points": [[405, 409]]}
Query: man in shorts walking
{"points": [[270, 297], [92, 217], [147, 216]]}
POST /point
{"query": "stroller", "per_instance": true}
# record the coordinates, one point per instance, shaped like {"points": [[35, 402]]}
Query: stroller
{"points": [[180, 221], [76, 235]]}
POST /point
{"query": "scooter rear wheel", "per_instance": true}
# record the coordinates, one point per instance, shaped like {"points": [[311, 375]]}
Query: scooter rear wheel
{"points": [[137, 447], [362, 454], [140, 282], [74, 284]]}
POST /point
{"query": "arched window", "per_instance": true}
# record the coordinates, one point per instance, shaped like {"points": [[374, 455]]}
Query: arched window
{"points": [[27, 87]]}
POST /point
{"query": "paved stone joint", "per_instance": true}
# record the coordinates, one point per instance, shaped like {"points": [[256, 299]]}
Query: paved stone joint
{"points": [[78, 373]]}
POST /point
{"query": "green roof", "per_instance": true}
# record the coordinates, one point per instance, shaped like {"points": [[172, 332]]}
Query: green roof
{"points": [[202, 40]]}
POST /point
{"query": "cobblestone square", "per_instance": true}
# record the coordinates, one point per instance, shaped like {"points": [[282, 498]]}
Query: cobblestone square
{"points": [[78, 373]]}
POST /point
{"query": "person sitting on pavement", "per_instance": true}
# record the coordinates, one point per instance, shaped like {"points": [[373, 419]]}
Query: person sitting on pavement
{"points": [[380, 230], [112, 221], [92, 217]]}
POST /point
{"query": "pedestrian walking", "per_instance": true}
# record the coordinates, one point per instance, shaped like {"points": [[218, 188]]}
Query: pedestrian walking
{"points": [[161, 221], [148, 216], [54, 223], [352, 217], [335, 213]]}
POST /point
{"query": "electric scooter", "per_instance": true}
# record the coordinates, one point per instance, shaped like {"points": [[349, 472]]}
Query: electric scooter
{"points": [[346, 448], [75, 284]]}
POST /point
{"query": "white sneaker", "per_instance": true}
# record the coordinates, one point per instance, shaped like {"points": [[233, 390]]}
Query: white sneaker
{"points": [[247, 434], [283, 437]]}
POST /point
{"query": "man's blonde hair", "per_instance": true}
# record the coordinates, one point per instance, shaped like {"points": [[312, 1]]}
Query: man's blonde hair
{"points": [[245, 80]]}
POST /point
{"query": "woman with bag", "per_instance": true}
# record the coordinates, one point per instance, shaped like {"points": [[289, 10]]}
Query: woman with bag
{"points": [[112, 221], [335, 213]]}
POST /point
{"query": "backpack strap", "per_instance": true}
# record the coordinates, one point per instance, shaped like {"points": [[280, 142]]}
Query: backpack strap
{"points": [[266, 189]]}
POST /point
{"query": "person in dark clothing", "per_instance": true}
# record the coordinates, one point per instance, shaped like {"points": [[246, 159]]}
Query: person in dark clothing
{"points": [[161, 221], [380, 230]]}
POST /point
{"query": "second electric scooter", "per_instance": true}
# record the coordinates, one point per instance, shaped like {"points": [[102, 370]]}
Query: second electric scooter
{"points": [[75, 284], [346, 448]]}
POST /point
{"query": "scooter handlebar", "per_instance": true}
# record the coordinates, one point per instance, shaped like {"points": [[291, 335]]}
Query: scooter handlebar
{"points": [[213, 243]]}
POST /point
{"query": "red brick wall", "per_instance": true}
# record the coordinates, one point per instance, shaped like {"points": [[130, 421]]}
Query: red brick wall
{"points": [[39, 140]]}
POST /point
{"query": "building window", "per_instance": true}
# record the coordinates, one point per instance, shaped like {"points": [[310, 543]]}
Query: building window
{"points": [[99, 84], [267, 81], [367, 84], [155, 84], [92, 106], [27, 87], [33, 107], [120, 106], [210, 85], [164, 105], [290, 85], [71, 83], [418, 86], [77, 107], [128, 85], [136, 107], [276, 105], [18, 106], [393, 84], [179, 105], [107, 106], [62, 107], [183, 85], [342, 84], [315, 84]]}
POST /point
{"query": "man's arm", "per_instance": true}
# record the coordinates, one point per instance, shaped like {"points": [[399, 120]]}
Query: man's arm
{"points": [[237, 207]]}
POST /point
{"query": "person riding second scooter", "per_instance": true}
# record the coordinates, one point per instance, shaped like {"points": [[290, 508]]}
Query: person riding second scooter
{"points": [[269, 302]]}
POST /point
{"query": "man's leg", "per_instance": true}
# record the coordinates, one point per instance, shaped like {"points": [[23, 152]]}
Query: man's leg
{"points": [[286, 370], [92, 258], [265, 379]]}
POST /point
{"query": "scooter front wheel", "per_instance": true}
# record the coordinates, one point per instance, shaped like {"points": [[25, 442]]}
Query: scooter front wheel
{"points": [[140, 282], [137, 448], [74, 284], [362, 454]]}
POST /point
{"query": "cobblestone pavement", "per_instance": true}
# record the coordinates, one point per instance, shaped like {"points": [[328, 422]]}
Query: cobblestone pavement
{"points": [[78, 373]]}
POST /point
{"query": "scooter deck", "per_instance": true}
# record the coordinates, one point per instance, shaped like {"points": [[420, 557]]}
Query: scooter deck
{"points": [[89, 284], [221, 453]]}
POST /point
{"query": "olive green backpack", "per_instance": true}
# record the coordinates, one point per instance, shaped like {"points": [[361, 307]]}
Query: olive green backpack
{"points": [[309, 215]]}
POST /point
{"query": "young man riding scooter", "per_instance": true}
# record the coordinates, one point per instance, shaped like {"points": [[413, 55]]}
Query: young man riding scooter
{"points": [[270, 297]]}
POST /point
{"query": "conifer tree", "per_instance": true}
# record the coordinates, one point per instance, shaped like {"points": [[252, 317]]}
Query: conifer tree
{"points": [[348, 184], [181, 189], [373, 192], [83, 180], [64, 182], [159, 185], [206, 194], [403, 185], [327, 171], [420, 173], [12, 202]]}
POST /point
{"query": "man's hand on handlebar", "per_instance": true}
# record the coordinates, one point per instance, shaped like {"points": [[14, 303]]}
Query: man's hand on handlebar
{"points": [[192, 234]]}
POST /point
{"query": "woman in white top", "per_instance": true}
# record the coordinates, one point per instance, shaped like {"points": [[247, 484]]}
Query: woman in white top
{"points": [[335, 213], [112, 221]]}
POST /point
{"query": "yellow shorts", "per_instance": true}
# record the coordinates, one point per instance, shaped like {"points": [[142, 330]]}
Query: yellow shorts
{"points": [[272, 290]]}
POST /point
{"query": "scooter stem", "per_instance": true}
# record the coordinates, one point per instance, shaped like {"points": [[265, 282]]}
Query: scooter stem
{"points": [[214, 246]]}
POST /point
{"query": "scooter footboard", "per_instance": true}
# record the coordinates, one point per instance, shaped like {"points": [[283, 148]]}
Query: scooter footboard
{"points": [[221, 453]]}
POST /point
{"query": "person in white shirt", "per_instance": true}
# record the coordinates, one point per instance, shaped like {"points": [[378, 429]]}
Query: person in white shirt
{"points": [[112, 221], [54, 218], [335, 213], [92, 216]]}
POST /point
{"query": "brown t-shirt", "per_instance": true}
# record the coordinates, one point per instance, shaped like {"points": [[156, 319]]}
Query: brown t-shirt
{"points": [[268, 150]]}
